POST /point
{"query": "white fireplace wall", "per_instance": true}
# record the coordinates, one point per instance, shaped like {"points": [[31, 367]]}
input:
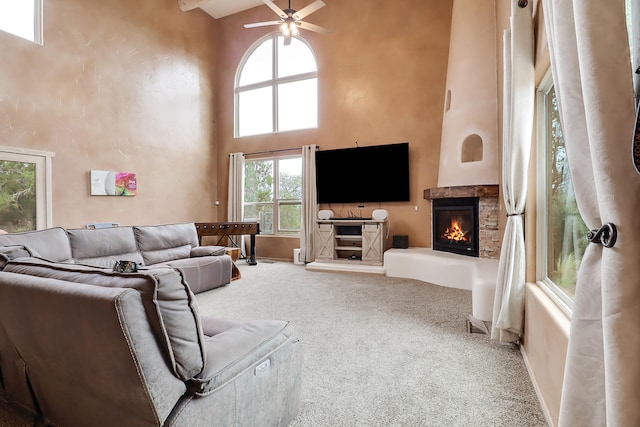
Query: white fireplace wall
{"points": [[471, 100]]}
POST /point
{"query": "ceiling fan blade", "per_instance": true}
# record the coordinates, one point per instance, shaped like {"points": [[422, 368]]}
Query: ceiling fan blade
{"points": [[312, 27], [262, 24], [307, 10], [275, 8]]}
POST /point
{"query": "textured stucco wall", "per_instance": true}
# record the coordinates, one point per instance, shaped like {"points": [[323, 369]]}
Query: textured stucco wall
{"points": [[471, 111], [117, 86], [382, 73]]}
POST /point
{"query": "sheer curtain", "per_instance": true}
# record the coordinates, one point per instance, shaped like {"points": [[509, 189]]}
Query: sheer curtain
{"points": [[309, 203], [592, 76], [519, 94], [236, 194]]}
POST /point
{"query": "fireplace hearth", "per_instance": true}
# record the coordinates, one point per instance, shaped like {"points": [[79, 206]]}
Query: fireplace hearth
{"points": [[456, 226]]}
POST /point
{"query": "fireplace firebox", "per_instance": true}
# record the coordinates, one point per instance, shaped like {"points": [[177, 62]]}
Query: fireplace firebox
{"points": [[456, 225]]}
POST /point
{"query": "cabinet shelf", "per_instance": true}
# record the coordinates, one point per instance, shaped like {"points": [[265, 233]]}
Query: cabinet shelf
{"points": [[360, 241]]}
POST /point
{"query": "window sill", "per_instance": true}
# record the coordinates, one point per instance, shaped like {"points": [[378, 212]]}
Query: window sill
{"points": [[562, 305], [290, 236]]}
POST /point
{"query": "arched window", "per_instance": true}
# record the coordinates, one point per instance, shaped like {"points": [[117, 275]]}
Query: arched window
{"points": [[276, 88]]}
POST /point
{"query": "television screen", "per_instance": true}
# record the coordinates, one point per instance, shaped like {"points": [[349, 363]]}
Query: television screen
{"points": [[378, 173]]}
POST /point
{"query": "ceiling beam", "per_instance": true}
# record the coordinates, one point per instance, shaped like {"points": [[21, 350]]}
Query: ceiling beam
{"points": [[187, 5]]}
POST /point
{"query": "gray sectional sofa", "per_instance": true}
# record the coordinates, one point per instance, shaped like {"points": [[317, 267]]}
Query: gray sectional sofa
{"points": [[84, 345], [167, 245]]}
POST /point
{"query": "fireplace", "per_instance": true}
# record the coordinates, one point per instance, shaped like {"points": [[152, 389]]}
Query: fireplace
{"points": [[456, 226]]}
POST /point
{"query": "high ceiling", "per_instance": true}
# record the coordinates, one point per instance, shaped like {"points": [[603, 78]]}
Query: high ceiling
{"points": [[219, 8]]}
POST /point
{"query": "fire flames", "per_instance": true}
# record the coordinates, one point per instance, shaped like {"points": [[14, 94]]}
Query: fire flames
{"points": [[455, 232]]}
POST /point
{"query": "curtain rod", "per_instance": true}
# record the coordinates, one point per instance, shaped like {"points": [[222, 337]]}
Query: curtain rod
{"points": [[274, 151]]}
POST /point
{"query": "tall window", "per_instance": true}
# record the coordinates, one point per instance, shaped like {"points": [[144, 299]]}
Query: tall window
{"points": [[22, 18], [276, 88], [273, 194], [25, 189], [561, 231]]}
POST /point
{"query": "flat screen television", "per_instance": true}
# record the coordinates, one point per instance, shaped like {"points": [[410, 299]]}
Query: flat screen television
{"points": [[378, 173]]}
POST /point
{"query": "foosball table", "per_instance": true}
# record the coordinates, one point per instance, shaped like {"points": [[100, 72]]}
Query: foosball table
{"points": [[225, 229]]}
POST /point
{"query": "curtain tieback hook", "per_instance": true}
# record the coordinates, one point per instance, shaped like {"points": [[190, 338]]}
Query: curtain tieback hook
{"points": [[606, 235]]}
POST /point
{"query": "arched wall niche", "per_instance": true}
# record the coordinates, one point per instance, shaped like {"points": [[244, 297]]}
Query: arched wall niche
{"points": [[472, 149]]}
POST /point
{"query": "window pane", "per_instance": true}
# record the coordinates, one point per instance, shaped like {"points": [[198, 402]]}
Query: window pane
{"points": [[19, 17], [258, 181], [258, 67], [17, 196], [566, 231], [262, 213], [255, 112], [296, 58], [290, 216], [298, 105], [290, 179]]}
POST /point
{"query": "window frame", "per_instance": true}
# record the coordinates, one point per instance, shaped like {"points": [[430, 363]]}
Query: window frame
{"points": [[560, 298], [277, 202], [44, 191], [274, 82]]}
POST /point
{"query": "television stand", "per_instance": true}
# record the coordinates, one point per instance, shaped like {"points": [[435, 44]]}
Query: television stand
{"points": [[351, 240], [351, 218]]}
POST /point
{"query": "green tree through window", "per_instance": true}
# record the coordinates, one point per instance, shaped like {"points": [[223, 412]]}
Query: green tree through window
{"points": [[17, 196], [566, 229], [273, 193]]}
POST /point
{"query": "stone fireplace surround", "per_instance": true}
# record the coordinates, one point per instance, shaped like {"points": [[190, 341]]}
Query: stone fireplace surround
{"points": [[489, 208]]}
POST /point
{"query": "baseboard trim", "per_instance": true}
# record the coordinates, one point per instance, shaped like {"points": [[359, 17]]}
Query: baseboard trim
{"points": [[350, 267], [543, 405]]}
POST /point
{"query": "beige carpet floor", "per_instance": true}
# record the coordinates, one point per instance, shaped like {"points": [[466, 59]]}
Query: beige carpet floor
{"points": [[379, 351]]}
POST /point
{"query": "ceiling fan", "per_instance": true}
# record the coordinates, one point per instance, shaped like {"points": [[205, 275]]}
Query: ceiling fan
{"points": [[290, 20]]}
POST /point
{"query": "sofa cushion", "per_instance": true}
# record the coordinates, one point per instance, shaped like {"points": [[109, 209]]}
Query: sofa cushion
{"points": [[171, 306], [104, 246], [161, 243], [235, 348], [52, 243]]}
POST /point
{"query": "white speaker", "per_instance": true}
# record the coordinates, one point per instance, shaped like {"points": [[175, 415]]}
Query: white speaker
{"points": [[325, 214], [380, 214]]}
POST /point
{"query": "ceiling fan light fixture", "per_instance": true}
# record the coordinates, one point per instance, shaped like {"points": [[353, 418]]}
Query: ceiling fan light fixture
{"points": [[290, 19], [289, 29], [293, 29]]}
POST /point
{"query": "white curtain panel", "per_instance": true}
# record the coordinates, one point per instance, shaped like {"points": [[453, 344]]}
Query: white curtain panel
{"points": [[236, 194], [309, 203], [519, 95], [592, 75]]}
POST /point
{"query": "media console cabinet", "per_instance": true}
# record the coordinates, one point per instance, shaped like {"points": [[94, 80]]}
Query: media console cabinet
{"points": [[351, 240]]}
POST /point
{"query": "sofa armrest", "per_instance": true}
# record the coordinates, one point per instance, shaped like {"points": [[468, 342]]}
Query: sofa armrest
{"points": [[239, 348], [199, 251]]}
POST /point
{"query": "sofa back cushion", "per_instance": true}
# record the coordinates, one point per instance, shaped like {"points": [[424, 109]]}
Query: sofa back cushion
{"points": [[162, 243], [171, 306], [82, 355], [52, 243], [104, 246]]}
